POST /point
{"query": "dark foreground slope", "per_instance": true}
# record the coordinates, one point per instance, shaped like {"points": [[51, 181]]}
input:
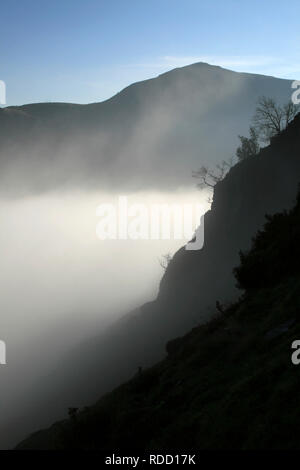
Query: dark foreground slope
{"points": [[225, 385], [193, 282]]}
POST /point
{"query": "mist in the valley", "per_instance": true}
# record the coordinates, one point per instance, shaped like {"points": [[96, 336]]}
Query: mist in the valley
{"points": [[61, 284], [150, 136]]}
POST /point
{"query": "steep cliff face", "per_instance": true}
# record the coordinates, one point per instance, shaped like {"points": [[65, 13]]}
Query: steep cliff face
{"points": [[192, 284], [253, 188]]}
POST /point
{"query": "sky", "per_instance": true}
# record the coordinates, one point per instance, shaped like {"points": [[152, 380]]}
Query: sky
{"points": [[86, 51]]}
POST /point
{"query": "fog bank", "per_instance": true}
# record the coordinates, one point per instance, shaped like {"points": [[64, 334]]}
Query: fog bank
{"points": [[60, 284]]}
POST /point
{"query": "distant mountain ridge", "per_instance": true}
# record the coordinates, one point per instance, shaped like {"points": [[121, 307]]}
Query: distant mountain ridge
{"points": [[164, 127]]}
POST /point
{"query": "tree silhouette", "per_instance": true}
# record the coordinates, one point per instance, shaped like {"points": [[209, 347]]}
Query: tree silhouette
{"points": [[165, 260], [249, 145], [270, 118], [209, 178]]}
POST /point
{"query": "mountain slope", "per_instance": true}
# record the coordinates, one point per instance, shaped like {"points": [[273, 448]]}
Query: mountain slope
{"points": [[229, 384], [164, 127]]}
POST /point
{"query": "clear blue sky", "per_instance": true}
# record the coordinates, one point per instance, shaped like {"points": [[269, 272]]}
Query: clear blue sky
{"points": [[85, 51]]}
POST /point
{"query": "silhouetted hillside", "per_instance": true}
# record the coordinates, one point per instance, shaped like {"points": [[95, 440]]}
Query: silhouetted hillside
{"points": [[193, 282], [163, 128], [229, 384]]}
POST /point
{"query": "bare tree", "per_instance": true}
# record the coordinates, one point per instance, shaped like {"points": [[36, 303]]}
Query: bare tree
{"points": [[270, 118], [209, 178], [165, 260]]}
